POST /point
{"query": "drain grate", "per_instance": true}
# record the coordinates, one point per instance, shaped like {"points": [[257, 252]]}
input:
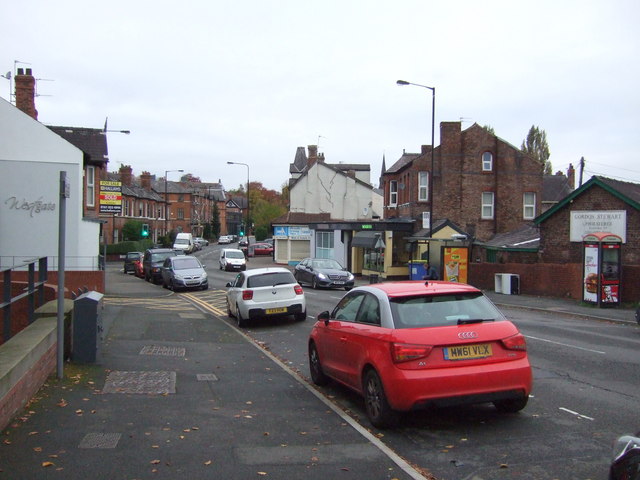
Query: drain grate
{"points": [[206, 377], [100, 440], [164, 351], [160, 383]]}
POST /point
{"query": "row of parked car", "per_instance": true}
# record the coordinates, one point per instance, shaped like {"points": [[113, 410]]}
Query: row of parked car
{"points": [[172, 268]]}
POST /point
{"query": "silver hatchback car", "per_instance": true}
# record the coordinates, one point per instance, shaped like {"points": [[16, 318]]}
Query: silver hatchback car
{"points": [[262, 293], [182, 272]]}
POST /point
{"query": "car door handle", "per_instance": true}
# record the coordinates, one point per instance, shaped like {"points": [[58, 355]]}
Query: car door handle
{"points": [[343, 339]]}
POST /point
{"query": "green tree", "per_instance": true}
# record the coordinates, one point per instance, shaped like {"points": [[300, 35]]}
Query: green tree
{"points": [[489, 129], [215, 221], [132, 230], [536, 145]]}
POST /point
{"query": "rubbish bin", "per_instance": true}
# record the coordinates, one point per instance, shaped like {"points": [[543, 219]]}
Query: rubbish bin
{"points": [[87, 327], [417, 270]]}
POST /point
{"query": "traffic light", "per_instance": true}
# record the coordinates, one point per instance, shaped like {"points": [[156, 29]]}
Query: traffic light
{"points": [[242, 229], [145, 230]]}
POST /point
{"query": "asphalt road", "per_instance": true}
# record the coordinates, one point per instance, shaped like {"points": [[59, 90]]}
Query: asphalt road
{"points": [[586, 392]]}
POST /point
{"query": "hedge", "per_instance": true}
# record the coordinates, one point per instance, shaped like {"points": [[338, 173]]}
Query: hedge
{"points": [[128, 246]]}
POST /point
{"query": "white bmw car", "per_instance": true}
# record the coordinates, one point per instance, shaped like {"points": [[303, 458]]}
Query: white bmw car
{"points": [[263, 293]]}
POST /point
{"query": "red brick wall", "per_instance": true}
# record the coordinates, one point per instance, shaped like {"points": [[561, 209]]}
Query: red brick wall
{"points": [[27, 386], [550, 280]]}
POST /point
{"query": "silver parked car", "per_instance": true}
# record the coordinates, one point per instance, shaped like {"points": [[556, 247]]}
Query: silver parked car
{"points": [[182, 272], [262, 293]]}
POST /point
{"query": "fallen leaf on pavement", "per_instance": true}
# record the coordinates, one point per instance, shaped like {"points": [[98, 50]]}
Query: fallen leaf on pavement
{"points": [[48, 464]]}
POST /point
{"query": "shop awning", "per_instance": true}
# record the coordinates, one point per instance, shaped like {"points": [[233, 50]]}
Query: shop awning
{"points": [[366, 239]]}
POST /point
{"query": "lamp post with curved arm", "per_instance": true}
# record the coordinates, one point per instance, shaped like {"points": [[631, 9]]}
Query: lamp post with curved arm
{"points": [[433, 147], [247, 226]]}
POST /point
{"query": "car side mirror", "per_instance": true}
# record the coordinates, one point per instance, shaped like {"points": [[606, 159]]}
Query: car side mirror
{"points": [[324, 316]]}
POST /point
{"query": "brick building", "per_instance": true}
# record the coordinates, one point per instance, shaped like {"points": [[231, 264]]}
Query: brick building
{"points": [[480, 182]]}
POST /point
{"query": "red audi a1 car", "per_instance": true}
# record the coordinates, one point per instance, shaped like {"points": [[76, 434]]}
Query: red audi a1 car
{"points": [[412, 344]]}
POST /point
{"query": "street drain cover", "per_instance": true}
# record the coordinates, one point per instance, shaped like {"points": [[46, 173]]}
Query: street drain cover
{"points": [[100, 440], [159, 383], [165, 351]]}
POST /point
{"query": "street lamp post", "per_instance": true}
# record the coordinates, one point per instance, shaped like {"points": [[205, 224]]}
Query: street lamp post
{"points": [[248, 202], [166, 202], [433, 147]]}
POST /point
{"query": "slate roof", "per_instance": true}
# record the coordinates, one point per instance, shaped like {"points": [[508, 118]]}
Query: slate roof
{"points": [[135, 189], [437, 226], [299, 162], [92, 141], [526, 237], [402, 162], [555, 188]]}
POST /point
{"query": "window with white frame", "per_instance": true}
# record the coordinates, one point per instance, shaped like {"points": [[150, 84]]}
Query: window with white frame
{"points": [[423, 186], [487, 205], [529, 205], [487, 162], [91, 186], [324, 245], [393, 193]]}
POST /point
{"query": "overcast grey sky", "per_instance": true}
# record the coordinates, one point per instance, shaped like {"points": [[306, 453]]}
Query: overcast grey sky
{"points": [[200, 83]]}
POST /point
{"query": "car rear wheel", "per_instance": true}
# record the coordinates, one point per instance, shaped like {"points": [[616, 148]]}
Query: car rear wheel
{"points": [[378, 409], [512, 405], [241, 321], [315, 367], [301, 317]]}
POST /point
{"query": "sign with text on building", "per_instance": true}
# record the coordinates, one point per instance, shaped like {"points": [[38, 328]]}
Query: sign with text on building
{"points": [[110, 197], [584, 222], [293, 232]]}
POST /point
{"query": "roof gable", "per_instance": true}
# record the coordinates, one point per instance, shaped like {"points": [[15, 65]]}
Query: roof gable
{"points": [[625, 191], [92, 141]]}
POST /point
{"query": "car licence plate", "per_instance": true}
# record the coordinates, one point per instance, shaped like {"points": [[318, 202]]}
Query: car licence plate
{"points": [[270, 311], [468, 352], [338, 283]]}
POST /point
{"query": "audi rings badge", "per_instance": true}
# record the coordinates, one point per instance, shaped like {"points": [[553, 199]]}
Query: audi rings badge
{"points": [[467, 335]]}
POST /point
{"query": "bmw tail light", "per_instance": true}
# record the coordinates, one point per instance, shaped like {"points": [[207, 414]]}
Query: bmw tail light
{"points": [[298, 290], [247, 295], [516, 342], [403, 352]]}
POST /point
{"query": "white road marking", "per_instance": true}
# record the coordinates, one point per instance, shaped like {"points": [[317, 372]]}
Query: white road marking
{"points": [[579, 415], [566, 345]]}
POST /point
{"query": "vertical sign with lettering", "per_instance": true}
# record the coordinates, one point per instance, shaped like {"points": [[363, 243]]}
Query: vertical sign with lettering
{"points": [[110, 197]]}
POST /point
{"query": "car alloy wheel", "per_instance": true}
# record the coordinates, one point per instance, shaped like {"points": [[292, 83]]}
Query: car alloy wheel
{"points": [[315, 367], [241, 321], [378, 409]]}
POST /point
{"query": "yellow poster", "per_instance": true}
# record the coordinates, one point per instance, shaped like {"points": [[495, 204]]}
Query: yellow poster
{"points": [[456, 264]]}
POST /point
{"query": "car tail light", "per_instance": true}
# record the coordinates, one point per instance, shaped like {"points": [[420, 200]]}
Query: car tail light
{"points": [[402, 352], [516, 342], [298, 290], [247, 294]]}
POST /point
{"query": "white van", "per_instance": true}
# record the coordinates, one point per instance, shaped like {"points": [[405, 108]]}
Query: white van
{"points": [[184, 242], [232, 259]]}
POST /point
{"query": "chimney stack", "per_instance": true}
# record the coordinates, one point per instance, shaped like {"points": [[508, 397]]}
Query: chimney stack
{"points": [[26, 92], [313, 155], [571, 176], [125, 174], [145, 180]]}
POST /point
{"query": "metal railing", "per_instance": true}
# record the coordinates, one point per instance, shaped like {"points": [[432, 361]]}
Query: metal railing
{"points": [[71, 263], [33, 292]]}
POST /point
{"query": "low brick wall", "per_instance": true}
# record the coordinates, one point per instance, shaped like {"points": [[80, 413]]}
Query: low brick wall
{"points": [[29, 358], [550, 280]]}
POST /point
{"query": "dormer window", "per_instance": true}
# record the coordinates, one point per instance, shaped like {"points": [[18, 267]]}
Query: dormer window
{"points": [[487, 162]]}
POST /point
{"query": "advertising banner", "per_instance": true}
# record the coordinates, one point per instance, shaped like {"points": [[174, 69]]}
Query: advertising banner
{"points": [[456, 264], [110, 197], [590, 273]]}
